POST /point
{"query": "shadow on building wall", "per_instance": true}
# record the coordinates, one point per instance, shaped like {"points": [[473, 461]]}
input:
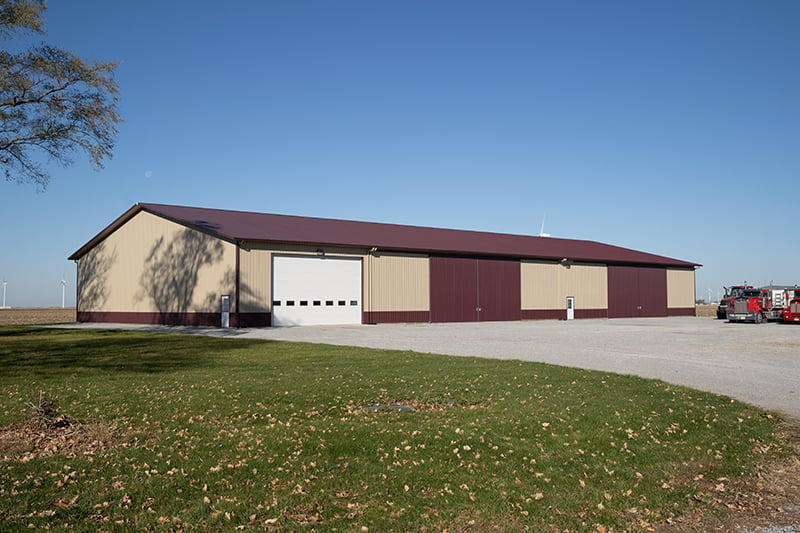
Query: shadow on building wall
{"points": [[172, 269], [228, 283], [93, 271]]}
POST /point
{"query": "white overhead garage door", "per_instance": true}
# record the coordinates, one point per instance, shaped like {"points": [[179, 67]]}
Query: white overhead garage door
{"points": [[310, 290]]}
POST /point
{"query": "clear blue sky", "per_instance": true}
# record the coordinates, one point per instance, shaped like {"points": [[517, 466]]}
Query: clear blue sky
{"points": [[668, 127]]}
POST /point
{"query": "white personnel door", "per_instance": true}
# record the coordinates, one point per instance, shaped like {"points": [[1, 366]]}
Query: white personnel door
{"points": [[570, 307], [308, 290]]}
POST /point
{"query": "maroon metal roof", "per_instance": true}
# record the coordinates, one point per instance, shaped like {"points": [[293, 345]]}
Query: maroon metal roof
{"points": [[262, 227]]}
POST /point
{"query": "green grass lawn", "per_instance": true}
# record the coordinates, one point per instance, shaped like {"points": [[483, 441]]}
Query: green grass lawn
{"points": [[219, 434]]}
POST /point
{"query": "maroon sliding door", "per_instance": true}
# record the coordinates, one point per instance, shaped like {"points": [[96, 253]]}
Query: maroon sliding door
{"points": [[470, 290]]}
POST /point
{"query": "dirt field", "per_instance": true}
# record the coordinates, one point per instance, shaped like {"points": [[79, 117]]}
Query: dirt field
{"points": [[49, 315]]}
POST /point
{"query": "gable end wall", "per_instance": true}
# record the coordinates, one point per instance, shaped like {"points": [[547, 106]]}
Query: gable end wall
{"points": [[150, 268]]}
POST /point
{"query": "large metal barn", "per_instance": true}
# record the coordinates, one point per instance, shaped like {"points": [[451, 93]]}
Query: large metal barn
{"points": [[164, 264]]}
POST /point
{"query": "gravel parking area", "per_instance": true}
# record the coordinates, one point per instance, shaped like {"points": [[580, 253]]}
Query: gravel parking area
{"points": [[758, 364]]}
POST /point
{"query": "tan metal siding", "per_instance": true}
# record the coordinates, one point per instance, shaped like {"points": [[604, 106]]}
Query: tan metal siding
{"points": [[397, 282], [93, 287], [153, 265], [589, 285], [680, 288], [254, 280], [546, 285], [539, 285]]}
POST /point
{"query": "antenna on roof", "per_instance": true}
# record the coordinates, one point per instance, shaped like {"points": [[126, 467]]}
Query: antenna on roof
{"points": [[541, 231]]}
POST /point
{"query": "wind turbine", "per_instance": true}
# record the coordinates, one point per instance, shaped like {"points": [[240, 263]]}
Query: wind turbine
{"points": [[63, 290], [5, 283], [541, 231]]}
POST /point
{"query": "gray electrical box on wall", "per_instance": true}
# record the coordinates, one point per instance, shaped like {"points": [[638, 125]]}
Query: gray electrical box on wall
{"points": [[225, 311]]}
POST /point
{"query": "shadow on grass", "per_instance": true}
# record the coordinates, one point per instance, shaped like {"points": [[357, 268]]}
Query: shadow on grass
{"points": [[45, 351]]}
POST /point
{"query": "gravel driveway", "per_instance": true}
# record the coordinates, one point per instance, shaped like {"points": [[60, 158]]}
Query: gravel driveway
{"points": [[758, 364]]}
